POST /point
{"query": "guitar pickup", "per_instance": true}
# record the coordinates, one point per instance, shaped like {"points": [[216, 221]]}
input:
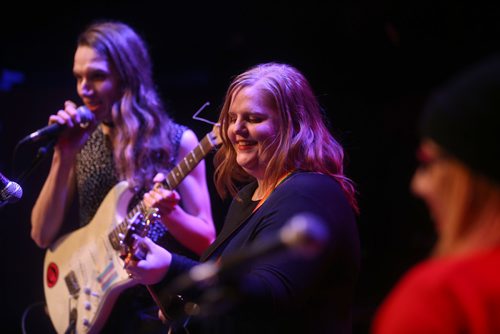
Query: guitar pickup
{"points": [[72, 283]]}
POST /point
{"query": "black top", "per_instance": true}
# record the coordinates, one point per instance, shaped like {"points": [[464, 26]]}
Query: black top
{"points": [[278, 291]]}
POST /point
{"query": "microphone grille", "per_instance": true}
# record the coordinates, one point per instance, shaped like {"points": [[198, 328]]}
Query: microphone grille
{"points": [[86, 115], [12, 192]]}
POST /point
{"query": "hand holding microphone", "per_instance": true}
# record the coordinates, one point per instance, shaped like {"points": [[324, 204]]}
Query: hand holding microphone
{"points": [[83, 116]]}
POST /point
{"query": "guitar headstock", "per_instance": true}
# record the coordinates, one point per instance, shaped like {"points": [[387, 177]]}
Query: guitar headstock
{"points": [[214, 136]]}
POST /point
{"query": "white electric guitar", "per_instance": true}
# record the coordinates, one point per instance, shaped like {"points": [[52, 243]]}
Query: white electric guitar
{"points": [[83, 271]]}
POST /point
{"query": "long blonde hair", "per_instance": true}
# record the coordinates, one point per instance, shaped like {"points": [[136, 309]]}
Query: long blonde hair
{"points": [[304, 142]]}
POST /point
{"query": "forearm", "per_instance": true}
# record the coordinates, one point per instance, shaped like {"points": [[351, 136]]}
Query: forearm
{"points": [[194, 232], [48, 212], [192, 224], [177, 279]]}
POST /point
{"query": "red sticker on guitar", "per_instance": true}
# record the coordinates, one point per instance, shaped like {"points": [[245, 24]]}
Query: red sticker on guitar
{"points": [[52, 274]]}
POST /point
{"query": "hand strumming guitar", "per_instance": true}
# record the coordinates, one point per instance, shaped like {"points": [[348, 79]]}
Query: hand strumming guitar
{"points": [[153, 267]]}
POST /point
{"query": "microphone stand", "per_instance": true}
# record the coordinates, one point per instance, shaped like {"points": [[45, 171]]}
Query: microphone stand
{"points": [[41, 154]]}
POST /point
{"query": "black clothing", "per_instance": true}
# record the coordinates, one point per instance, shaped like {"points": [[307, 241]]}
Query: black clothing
{"points": [[280, 292]]}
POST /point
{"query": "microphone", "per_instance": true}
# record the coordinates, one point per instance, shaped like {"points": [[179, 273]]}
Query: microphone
{"points": [[10, 192], [304, 234], [55, 129]]}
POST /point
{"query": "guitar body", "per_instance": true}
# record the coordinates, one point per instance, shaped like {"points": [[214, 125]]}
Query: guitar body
{"points": [[83, 273]]}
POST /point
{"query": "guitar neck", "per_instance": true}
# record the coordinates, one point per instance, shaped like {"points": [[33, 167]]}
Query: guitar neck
{"points": [[172, 180], [189, 162]]}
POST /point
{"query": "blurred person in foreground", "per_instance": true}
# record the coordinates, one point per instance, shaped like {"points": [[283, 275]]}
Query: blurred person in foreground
{"points": [[456, 290]]}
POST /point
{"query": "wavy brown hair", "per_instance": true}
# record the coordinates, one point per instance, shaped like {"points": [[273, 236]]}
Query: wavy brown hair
{"points": [[304, 141], [143, 140]]}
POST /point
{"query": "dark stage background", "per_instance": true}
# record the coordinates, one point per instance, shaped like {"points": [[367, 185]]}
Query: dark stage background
{"points": [[371, 62]]}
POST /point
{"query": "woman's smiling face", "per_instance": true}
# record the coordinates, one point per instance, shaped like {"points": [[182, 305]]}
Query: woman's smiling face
{"points": [[252, 126]]}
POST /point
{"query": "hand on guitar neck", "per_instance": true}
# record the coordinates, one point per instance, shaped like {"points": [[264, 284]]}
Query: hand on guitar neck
{"points": [[161, 197]]}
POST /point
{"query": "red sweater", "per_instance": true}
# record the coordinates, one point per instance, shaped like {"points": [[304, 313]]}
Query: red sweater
{"points": [[446, 295]]}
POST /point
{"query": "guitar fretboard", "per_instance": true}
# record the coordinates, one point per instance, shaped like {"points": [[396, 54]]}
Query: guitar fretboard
{"points": [[189, 162], [172, 180]]}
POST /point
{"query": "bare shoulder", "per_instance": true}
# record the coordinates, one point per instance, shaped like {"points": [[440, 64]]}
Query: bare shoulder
{"points": [[189, 140]]}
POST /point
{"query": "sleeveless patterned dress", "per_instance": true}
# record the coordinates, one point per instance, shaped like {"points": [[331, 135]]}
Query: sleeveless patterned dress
{"points": [[96, 175]]}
